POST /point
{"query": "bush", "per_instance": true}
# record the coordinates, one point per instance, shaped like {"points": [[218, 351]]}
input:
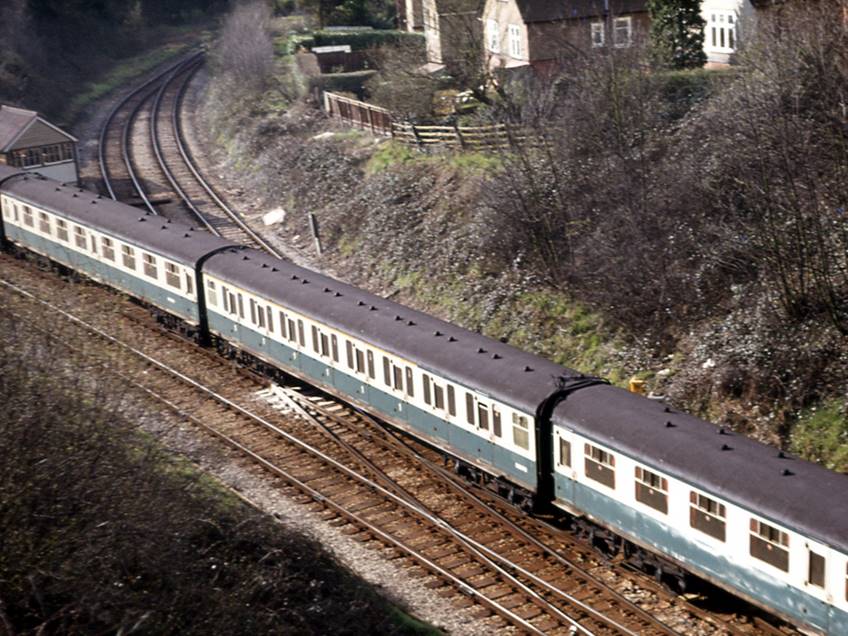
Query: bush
{"points": [[372, 39], [342, 82]]}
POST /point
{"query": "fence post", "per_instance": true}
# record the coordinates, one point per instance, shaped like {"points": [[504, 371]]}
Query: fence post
{"points": [[458, 135], [327, 103], [417, 137], [313, 226]]}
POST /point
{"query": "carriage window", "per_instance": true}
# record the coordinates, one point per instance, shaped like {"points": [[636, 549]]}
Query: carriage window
{"points": [[62, 235], [520, 432], [371, 373], [292, 332], [425, 379], [28, 215], [398, 375], [79, 236], [128, 255], [300, 334], [438, 396], [315, 341], [325, 345], [211, 295], [496, 421], [172, 278], [93, 244], [189, 284], [270, 316], [334, 345], [600, 465], [410, 390], [564, 452], [469, 408], [770, 545], [44, 222], [387, 372], [283, 331], [149, 264], [260, 315], [360, 361], [483, 416], [816, 570], [451, 400], [707, 515], [108, 245], [651, 489], [240, 306]]}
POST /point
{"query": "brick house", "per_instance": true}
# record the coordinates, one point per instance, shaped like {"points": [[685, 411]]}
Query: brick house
{"points": [[450, 29], [537, 32]]}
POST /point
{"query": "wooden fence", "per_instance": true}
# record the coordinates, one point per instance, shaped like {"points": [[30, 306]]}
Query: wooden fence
{"points": [[360, 114], [379, 121]]}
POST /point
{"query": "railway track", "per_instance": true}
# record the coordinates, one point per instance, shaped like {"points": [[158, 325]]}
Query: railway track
{"points": [[366, 479], [145, 161]]}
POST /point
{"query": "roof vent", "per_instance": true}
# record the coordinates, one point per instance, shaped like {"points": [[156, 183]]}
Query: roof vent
{"points": [[58, 189], [410, 323], [398, 317], [787, 473], [360, 303], [667, 410], [528, 369], [670, 424], [451, 339], [725, 447], [245, 258], [326, 290], [186, 235], [722, 431], [438, 333], [304, 282], [372, 308], [274, 269], [496, 356], [74, 195], [481, 350], [164, 227], [100, 196], [294, 277], [141, 219], [337, 294], [191, 228], [264, 265], [94, 202]]}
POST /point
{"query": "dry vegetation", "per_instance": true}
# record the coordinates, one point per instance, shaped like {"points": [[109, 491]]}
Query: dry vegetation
{"points": [[104, 533]]}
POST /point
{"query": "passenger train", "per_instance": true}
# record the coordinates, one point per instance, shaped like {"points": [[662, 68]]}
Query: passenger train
{"points": [[676, 492]]}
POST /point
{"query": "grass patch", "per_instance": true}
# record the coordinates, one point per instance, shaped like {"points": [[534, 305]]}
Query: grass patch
{"points": [[120, 75], [821, 435], [389, 155], [475, 162]]}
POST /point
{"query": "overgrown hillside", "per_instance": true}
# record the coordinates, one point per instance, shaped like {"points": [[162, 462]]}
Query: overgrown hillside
{"points": [[687, 228]]}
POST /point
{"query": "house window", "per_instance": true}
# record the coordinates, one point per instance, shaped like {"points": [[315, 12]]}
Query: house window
{"points": [[172, 277], [149, 264], [44, 222], [493, 36], [128, 255], [107, 245], [770, 544], [520, 431], [707, 515], [514, 41], [722, 31], [652, 489], [600, 465], [622, 32], [597, 34], [564, 452]]}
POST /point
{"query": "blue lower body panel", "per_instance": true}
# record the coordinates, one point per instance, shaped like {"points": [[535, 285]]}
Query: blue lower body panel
{"points": [[418, 422], [755, 585], [171, 302]]}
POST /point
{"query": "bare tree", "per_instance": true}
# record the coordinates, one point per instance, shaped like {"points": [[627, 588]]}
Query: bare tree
{"points": [[244, 52]]}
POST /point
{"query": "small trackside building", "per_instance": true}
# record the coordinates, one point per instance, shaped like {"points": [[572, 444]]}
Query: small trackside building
{"points": [[29, 142]]}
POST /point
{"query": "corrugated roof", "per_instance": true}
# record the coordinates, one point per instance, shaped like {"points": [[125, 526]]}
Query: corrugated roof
{"points": [[508, 374], [173, 240], [547, 11], [808, 499]]}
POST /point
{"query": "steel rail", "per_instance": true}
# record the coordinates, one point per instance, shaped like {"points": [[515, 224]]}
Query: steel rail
{"points": [[309, 449], [104, 130], [189, 162]]}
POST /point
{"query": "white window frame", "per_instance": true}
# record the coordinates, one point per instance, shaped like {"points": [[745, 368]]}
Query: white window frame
{"points": [[598, 35], [493, 35], [722, 27], [616, 22], [514, 35]]}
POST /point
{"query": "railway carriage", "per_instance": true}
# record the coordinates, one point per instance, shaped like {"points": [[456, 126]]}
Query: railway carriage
{"points": [[466, 394], [680, 492], [142, 255], [745, 516]]}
